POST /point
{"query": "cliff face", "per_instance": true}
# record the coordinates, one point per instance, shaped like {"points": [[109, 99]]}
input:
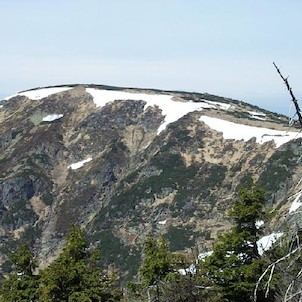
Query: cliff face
{"points": [[123, 162]]}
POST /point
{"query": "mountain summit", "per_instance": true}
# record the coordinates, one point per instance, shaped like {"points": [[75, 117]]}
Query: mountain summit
{"points": [[122, 162]]}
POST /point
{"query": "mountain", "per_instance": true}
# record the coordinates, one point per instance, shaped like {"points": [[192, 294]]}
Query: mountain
{"points": [[122, 162]]}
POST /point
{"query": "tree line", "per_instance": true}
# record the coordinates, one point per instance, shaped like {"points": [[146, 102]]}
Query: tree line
{"points": [[234, 272]]}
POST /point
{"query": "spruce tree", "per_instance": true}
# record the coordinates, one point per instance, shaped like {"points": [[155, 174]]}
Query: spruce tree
{"points": [[235, 265], [75, 275], [21, 284], [157, 265]]}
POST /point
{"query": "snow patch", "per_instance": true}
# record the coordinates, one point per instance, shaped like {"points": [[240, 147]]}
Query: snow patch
{"points": [[52, 117], [162, 222], [172, 110], [222, 106], [296, 203], [191, 270], [204, 255], [259, 224], [265, 243], [257, 113], [255, 117], [235, 131], [79, 164], [39, 94]]}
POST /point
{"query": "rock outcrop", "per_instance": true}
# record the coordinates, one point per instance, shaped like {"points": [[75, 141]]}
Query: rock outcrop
{"points": [[123, 162]]}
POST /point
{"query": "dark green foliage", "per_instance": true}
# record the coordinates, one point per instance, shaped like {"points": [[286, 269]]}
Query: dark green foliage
{"points": [[17, 214], [23, 260], [157, 262], [15, 133], [19, 288], [160, 280], [235, 265], [185, 289], [74, 276], [21, 285], [180, 238], [114, 251], [278, 170], [174, 175], [248, 209], [245, 181], [156, 267]]}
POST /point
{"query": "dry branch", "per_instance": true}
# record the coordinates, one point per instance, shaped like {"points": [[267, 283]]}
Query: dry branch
{"points": [[294, 100]]}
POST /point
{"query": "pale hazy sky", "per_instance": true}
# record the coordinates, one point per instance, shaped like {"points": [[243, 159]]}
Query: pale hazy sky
{"points": [[223, 47]]}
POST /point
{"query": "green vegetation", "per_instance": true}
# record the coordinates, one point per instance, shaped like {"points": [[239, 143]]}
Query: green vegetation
{"points": [[18, 212], [115, 252], [21, 285], [278, 170], [180, 238], [156, 266], [235, 265], [174, 174], [230, 274], [74, 276]]}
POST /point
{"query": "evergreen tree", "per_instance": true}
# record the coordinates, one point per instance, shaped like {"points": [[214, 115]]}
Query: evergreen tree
{"points": [[158, 261], [21, 284], [23, 260], [235, 265], [156, 267], [75, 275]]}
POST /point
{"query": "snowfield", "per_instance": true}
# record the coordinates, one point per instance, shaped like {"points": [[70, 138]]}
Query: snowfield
{"points": [[222, 106], [79, 164], [174, 110], [39, 94], [52, 117], [296, 203], [235, 131], [171, 109]]}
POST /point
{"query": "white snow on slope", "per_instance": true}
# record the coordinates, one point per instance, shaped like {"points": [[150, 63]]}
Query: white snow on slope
{"points": [[223, 106], [171, 109], [204, 255], [265, 243], [52, 117], [235, 131], [191, 270], [257, 113], [296, 203], [79, 164], [259, 224], [38, 94]]}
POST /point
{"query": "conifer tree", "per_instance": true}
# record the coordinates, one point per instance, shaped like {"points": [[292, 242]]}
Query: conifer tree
{"points": [[75, 275], [235, 265], [157, 265], [21, 284]]}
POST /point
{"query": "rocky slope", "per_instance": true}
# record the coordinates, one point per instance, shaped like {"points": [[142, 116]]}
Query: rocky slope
{"points": [[122, 162]]}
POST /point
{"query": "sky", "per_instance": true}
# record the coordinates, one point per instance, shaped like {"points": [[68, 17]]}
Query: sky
{"points": [[222, 47]]}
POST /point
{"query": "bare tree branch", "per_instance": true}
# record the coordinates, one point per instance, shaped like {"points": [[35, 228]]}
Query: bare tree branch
{"points": [[271, 267], [294, 100]]}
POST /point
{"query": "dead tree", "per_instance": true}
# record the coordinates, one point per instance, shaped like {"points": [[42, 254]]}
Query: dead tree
{"points": [[294, 100], [288, 269], [288, 265]]}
